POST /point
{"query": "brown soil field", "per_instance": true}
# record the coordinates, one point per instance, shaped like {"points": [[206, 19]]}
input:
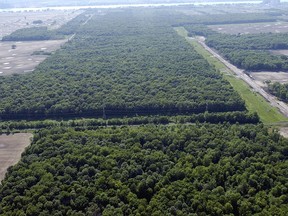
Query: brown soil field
{"points": [[251, 28], [11, 147], [279, 52], [21, 60], [261, 77], [284, 132], [11, 21]]}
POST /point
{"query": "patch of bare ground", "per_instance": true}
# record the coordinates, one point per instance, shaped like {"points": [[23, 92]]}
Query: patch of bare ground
{"points": [[11, 147], [284, 131], [251, 28], [20, 59], [11, 21], [279, 52], [261, 77]]}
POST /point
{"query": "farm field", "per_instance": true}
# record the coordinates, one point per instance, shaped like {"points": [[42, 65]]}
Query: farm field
{"points": [[279, 52], [284, 131], [10, 22], [251, 28], [21, 59], [261, 77], [11, 147]]}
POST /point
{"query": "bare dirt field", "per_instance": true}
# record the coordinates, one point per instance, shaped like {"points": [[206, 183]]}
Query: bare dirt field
{"points": [[11, 21], [11, 147], [284, 132], [261, 77], [251, 28], [20, 59], [279, 52]]}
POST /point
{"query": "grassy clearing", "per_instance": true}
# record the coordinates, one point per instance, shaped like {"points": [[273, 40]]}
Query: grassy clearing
{"points": [[254, 102]]}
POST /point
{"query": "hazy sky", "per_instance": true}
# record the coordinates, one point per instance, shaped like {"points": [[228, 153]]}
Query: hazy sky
{"points": [[49, 3]]}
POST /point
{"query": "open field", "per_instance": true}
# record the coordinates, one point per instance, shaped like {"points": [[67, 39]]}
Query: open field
{"points": [[261, 77], [284, 131], [279, 52], [254, 102], [21, 60], [10, 22], [251, 28], [11, 147]]}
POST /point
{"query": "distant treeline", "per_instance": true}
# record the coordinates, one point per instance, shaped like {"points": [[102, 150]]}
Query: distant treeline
{"points": [[230, 18], [32, 34]]}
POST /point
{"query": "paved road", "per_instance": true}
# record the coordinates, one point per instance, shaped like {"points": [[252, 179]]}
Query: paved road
{"points": [[240, 73]]}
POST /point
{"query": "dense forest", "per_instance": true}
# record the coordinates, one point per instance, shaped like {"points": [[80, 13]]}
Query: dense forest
{"points": [[247, 51], [150, 170], [279, 90], [119, 64], [32, 34]]}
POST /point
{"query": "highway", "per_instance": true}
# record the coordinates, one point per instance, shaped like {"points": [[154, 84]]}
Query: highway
{"points": [[283, 108]]}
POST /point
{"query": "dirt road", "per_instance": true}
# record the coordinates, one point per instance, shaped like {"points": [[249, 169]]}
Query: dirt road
{"points": [[240, 73]]}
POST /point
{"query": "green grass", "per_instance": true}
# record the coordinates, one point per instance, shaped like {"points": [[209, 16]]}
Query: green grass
{"points": [[254, 102]]}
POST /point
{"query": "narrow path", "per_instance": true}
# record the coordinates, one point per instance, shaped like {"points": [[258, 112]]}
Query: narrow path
{"points": [[72, 36], [240, 73], [88, 19]]}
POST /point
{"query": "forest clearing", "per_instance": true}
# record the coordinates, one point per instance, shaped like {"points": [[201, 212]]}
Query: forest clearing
{"points": [[251, 28], [26, 55], [11, 148], [262, 77], [12, 21]]}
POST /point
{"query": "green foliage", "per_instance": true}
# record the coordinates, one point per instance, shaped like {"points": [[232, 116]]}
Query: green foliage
{"points": [[120, 64], [279, 90], [31, 34], [150, 170], [231, 117]]}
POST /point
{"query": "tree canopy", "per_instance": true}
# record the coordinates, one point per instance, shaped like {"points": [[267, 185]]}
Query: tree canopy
{"points": [[150, 170]]}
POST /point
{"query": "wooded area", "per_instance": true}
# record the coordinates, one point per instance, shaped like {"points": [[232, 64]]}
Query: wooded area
{"points": [[279, 90], [119, 64], [170, 137], [150, 170]]}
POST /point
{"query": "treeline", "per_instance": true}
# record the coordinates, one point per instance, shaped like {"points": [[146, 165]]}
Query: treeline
{"points": [[124, 63], [248, 51], [279, 90], [229, 18], [215, 118], [150, 170], [32, 34]]}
